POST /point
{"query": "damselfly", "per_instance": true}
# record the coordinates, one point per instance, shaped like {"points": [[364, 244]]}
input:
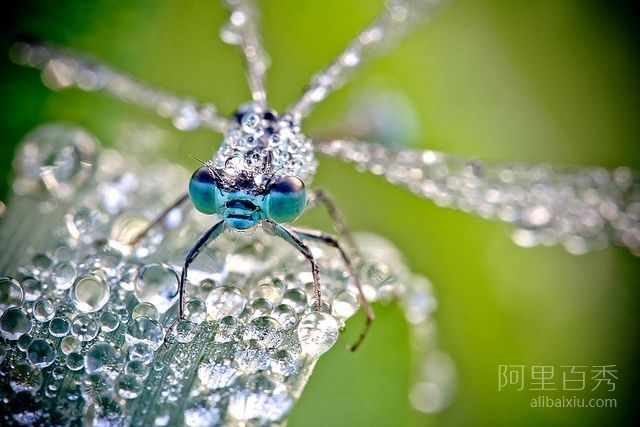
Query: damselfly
{"points": [[578, 208]]}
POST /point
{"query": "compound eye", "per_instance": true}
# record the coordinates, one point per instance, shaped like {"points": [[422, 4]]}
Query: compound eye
{"points": [[202, 191], [286, 199]]}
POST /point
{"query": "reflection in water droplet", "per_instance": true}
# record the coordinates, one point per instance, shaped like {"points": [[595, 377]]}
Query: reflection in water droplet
{"points": [[59, 327], [32, 288], [74, 361], [64, 273], [265, 330], [261, 398], [146, 331], [225, 301], [103, 358], [90, 293], [185, 331], [15, 322], [345, 305], [145, 309], [157, 284], [109, 321], [69, 344], [84, 327], [285, 315], [296, 299], [105, 410], [25, 377], [196, 311], [11, 293], [128, 386], [317, 332], [44, 310], [41, 353]]}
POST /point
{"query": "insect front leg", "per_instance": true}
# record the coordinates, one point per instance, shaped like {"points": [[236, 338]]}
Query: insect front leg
{"points": [[203, 241], [294, 240], [332, 241]]}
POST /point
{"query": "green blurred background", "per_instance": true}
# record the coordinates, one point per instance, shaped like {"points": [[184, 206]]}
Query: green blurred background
{"points": [[552, 80]]}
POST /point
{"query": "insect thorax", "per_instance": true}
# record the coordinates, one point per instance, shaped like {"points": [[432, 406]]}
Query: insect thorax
{"points": [[261, 143]]}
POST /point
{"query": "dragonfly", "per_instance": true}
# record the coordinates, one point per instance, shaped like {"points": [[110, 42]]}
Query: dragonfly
{"points": [[261, 172]]}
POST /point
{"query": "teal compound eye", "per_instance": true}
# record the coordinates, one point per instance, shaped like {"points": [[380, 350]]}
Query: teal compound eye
{"points": [[286, 199], [202, 191]]}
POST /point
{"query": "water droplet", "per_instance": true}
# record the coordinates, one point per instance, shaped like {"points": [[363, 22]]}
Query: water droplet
{"points": [[317, 333], [57, 157], [145, 309], [260, 307], [137, 368], [265, 330], [227, 329], [109, 321], [86, 225], [24, 341], [26, 409], [32, 288], [14, 322], [141, 351], [64, 273], [284, 364], [59, 327], [225, 301], [90, 293], [74, 361], [128, 386], [70, 344], [196, 311], [295, 298], [145, 330], [269, 290], [185, 331], [217, 373], [260, 399], [285, 315], [41, 353], [103, 358], [104, 411], [345, 304], [44, 310], [84, 327], [25, 377], [202, 411], [11, 294], [157, 284]]}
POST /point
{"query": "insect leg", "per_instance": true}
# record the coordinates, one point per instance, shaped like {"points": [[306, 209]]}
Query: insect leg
{"points": [[321, 196], [330, 240], [203, 241], [157, 220], [294, 240]]}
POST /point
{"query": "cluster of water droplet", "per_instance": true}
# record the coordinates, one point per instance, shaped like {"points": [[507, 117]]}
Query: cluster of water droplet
{"points": [[581, 209], [83, 316]]}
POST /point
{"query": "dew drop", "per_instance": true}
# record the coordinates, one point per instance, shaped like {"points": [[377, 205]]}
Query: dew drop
{"points": [[218, 373], [44, 310], [11, 294], [141, 351], [59, 327], [128, 386], [285, 315], [109, 321], [74, 361], [260, 399], [104, 411], [157, 284], [70, 344], [145, 309], [144, 330], [265, 330], [137, 368], [196, 311], [227, 329], [225, 301], [41, 353], [185, 331], [295, 298], [25, 377], [90, 293], [103, 358], [32, 288], [84, 327], [345, 304], [14, 323], [317, 333], [24, 341], [64, 273]]}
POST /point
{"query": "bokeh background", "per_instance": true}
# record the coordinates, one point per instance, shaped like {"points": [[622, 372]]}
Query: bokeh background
{"points": [[546, 81]]}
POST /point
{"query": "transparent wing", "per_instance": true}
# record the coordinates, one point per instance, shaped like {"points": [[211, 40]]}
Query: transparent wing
{"points": [[581, 208], [64, 68], [242, 31], [396, 21]]}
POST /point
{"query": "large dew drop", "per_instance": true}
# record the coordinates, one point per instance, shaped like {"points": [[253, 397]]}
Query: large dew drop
{"points": [[11, 294], [144, 330], [317, 333], [14, 323], [41, 353], [90, 293], [157, 284], [103, 358]]}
